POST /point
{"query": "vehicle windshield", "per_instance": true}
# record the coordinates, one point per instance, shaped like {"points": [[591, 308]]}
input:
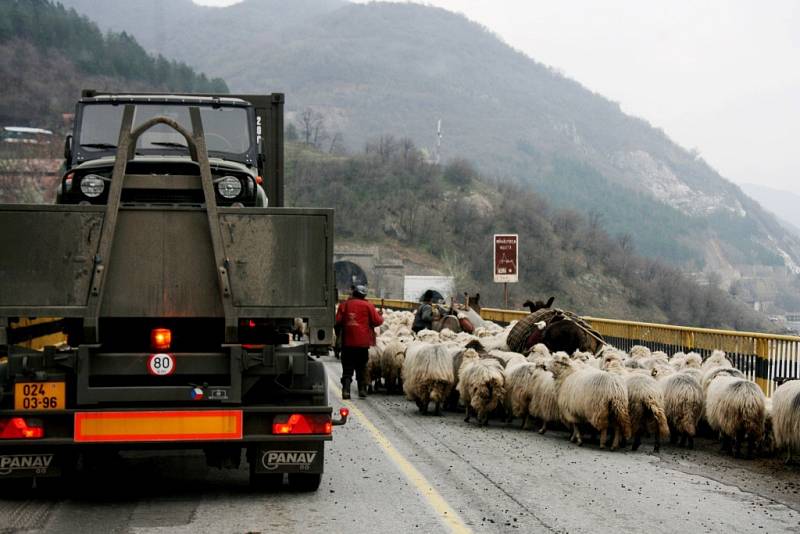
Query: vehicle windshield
{"points": [[227, 130]]}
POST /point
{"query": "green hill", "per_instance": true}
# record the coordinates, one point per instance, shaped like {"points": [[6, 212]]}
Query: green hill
{"points": [[395, 68], [389, 195], [48, 53]]}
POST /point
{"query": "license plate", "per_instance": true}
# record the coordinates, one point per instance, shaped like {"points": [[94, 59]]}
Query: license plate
{"points": [[40, 396]]}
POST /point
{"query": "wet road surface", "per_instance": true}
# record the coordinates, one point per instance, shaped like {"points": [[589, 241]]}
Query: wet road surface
{"points": [[391, 470]]}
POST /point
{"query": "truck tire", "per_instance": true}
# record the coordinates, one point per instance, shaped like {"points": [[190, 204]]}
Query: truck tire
{"points": [[16, 488], [304, 482], [266, 482]]}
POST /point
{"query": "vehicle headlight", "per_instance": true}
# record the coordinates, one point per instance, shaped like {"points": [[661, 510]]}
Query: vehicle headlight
{"points": [[92, 185], [229, 187]]}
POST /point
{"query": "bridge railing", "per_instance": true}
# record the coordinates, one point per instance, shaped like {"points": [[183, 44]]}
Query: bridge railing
{"points": [[767, 359]]}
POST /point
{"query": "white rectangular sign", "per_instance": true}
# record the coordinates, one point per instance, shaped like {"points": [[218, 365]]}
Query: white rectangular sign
{"points": [[506, 257]]}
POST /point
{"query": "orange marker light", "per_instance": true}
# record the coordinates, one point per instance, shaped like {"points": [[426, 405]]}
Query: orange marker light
{"points": [[161, 338]]}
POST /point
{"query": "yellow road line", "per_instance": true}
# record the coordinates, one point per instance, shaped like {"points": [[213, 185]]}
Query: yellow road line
{"points": [[446, 514]]}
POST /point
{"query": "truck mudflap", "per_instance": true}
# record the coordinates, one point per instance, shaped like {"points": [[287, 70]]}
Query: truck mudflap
{"points": [[38, 464], [289, 457]]}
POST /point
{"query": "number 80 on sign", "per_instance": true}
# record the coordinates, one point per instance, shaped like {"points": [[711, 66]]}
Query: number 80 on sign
{"points": [[161, 364]]}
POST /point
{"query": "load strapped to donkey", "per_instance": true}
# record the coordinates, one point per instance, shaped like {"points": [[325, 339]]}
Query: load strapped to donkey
{"points": [[558, 329]]}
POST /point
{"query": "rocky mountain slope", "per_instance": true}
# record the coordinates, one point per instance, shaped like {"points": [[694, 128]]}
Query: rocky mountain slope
{"points": [[784, 204]]}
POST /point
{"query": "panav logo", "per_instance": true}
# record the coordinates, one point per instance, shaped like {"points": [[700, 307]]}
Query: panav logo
{"points": [[275, 459], [38, 462]]}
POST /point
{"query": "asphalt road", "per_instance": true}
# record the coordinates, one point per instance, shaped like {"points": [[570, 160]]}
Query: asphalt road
{"points": [[391, 470]]}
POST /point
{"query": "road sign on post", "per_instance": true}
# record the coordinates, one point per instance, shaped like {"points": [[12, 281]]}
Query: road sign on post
{"points": [[506, 256], [506, 261]]}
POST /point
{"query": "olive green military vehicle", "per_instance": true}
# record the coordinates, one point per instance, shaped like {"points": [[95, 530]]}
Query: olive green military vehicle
{"points": [[176, 276]]}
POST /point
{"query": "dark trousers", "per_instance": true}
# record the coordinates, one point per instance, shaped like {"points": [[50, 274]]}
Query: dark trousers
{"points": [[354, 359]]}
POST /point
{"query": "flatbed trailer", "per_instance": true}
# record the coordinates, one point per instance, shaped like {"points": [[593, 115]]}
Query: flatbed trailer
{"points": [[176, 314]]}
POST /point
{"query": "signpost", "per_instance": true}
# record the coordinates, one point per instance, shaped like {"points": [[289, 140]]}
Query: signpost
{"points": [[506, 261]]}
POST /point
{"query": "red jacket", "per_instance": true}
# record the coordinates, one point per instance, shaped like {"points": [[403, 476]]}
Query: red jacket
{"points": [[357, 317]]}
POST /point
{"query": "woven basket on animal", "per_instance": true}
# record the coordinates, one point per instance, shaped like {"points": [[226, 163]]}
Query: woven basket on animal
{"points": [[563, 331]]}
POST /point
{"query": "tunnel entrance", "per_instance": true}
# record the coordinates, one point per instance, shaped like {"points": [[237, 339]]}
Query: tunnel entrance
{"points": [[348, 274]]}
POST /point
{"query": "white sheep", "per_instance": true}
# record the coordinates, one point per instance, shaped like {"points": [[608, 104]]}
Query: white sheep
{"points": [[735, 407], [373, 372], [495, 341], [481, 385], [692, 361], [519, 391], [683, 405], [447, 335], [639, 352], [539, 349], [427, 375], [646, 408], [506, 358], [458, 356], [717, 359], [716, 365], [428, 336], [588, 395], [544, 396], [786, 417], [392, 358]]}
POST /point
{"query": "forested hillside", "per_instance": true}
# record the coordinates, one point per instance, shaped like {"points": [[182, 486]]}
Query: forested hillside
{"points": [[391, 196], [48, 53], [399, 68]]}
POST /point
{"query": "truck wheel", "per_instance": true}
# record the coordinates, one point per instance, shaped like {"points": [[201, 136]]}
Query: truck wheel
{"points": [[304, 481], [267, 482], [16, 488]]}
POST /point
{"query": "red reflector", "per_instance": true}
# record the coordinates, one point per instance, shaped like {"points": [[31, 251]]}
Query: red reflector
{"points": [[161, 338], [156, 426], [259, 180], [19, 428], [344, 412], [298, 423]]}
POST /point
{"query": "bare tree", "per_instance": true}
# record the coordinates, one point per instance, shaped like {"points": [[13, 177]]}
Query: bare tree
{"points": [[312, 127], [386, 147], [337, 144]]}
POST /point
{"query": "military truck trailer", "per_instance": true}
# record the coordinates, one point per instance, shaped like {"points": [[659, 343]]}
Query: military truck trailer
{"points": [[176, 275]]}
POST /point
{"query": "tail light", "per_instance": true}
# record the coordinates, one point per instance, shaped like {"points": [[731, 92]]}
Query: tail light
{"points": [[298, 423], [161, 338], [344, 413], [19, 428]]}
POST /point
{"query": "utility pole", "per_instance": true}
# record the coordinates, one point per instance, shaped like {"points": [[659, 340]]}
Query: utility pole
{"points": [[438, 155]]}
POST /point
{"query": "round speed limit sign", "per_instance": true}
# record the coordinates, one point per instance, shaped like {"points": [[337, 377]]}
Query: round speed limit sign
{"points": [[161, 364]]}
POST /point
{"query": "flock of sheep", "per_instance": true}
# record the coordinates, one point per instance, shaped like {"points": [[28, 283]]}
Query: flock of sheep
{"points": [[620, 396]]}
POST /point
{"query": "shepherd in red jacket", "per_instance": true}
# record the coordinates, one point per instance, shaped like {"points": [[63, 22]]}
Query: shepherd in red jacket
{"points": [[357, 318]]}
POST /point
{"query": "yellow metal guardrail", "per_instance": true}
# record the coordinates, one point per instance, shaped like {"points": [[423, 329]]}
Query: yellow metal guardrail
{"points": [[766, 359], [38, 332]]}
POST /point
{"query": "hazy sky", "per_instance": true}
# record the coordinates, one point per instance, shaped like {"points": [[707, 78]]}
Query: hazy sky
{"points": [[721, 76]]}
